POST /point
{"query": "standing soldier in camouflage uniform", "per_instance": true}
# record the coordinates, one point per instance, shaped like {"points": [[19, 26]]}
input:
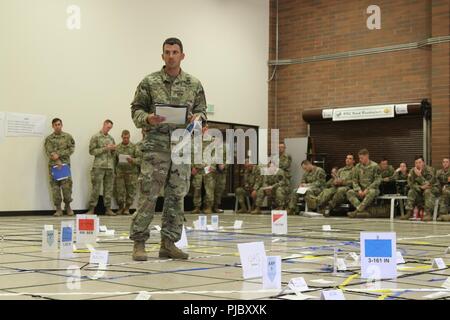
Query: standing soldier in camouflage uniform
{"points": [[252, 177], [423, 187], [197, 173], [221, 182], [215, 180], [285, 161], [102, 146], [59, 146], [171, 85], [336, 191], [273, 186], [126, 173], [315, 179], [387, 180], [443, 177], [366, 181]]}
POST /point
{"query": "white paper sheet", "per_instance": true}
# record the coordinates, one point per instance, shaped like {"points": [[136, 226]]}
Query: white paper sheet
{"points": [[123, 158], [174, 115], [25, 125], [2, 126]]}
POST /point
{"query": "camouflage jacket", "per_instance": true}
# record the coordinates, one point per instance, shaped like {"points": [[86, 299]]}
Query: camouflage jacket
{"points": [[366, 177], [104, 158], [388, 173], [278, 179], [428, 176], [442, 177], [251, 178], [398, 176], [285, 162], [132, 150], [62, 144], [344, 174], [316, 178], [160, 88]]}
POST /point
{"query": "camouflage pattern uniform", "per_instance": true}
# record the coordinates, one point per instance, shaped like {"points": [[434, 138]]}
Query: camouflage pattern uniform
{"points": [[285, 161], [417, 195], [64, 145], [157, 168], [126, 175], [444, 201], [365, 177], [401, 180], [215, 183], [387, 187], [278, 183], [316, 181], [334, 195], [197, 179], [103, 169], [252, 180]]}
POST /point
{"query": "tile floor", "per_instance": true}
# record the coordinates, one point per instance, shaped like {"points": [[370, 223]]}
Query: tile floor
{"points": [[213, 270]]}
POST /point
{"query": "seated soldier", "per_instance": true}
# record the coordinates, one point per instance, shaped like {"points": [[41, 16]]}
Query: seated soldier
{"points": [[387, 185], [314, 179], [337, 187], [366, 180], [272, 186], [423, 188], [251, 180], [401, 179]]}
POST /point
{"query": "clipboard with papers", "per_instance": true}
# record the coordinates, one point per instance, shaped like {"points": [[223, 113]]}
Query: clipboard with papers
{"points": [[174, 114], [62, 173]]}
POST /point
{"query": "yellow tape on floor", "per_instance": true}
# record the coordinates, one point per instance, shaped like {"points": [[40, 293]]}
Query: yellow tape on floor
{"points": [[384, 296], [348, 280]]}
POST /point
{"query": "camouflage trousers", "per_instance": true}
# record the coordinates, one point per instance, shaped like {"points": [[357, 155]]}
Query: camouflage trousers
{"points": [[125, 188], [332, 197], [312, 192], [277, 194], [427, 197], [241, 193], [157, 171], [64, 186], [99, 177], [354, 199], [215, 184], [444, 201], [197, 181]]}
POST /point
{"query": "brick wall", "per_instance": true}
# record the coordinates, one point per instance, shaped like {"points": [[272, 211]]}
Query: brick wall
{"points": [[308, 28]]}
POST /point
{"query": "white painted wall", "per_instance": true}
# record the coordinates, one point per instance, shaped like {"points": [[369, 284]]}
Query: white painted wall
{"points": [[88, 75]]}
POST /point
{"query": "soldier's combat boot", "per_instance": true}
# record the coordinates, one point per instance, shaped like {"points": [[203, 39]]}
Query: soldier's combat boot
{"points": [[243, 208], [352, 214], [207, 210], [109, 212], [256, 211], [444, 217], [69, 210], [126, 210], [90, 211], [121, 210], [169, 250], [216, 209], [311, 201], [427, 216], [407, 215], [196, 210], [139, 251], [362, 214], [58, 212]]}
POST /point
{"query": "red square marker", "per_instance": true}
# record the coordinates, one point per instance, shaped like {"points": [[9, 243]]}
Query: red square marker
{"points": [[86, 225]]}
